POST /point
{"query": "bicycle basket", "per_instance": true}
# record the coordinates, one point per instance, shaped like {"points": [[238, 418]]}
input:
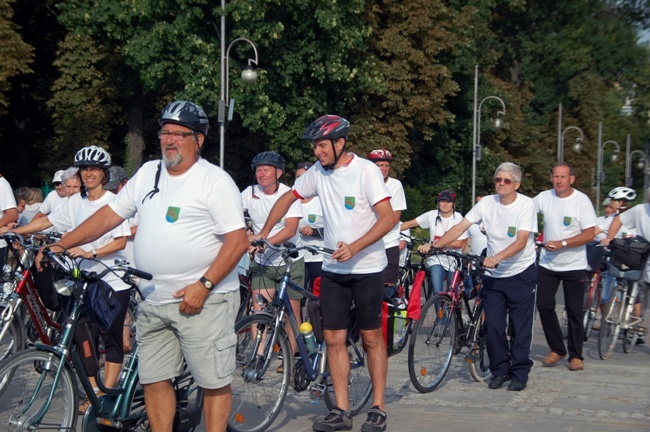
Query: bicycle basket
{"points": [[629, 253]]}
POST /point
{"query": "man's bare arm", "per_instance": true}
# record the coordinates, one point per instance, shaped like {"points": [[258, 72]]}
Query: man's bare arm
{"points": [[278, 211], [385, 221], [104, 220]]}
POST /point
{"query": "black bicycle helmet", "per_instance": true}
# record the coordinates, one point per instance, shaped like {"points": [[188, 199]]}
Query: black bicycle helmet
{"points": [[327, 127], [186, 114], [304, 165], [622, 193], [92, 156], [447, 195], [268, 158]]}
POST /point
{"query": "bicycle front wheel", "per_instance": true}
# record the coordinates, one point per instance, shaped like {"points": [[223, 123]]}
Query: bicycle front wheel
{"points": [[261, 378], [432, 344], [479, 362], [11, 343], [359, 385], [610, 324], [26, 402]]}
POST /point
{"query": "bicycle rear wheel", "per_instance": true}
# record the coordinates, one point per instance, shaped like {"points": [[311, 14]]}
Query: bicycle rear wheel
{"points": [[26, 402], [592, 300], [258, 389], [479, 367], [359, 386], [432, 344], [610, 324]]}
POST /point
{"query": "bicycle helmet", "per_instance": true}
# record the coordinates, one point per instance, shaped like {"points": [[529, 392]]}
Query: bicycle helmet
{"points": [[92, 156], [304, 165], [447, 195], [186, 114], [268, 158], [380, 155], [622, 193], [327, 127]]}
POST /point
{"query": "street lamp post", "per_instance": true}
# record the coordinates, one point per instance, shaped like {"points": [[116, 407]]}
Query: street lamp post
{"points": [[600, 175], [560, 137], [643, 163], [248, 76], [476, 141]]}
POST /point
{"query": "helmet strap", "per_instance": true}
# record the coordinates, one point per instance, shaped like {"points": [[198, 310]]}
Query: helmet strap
{"points": [[337, 156], [155, 189]]}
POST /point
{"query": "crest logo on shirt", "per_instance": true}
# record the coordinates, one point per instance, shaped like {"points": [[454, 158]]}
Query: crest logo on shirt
{"points": [[567, 220], [311, 218], [349, 202], [512, 231], [172, 214]]}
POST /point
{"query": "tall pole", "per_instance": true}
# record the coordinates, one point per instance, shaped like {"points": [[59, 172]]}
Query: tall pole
{"points": [[222, 100], [628, 163], [560, 147], [599, 166], [474, 143]]}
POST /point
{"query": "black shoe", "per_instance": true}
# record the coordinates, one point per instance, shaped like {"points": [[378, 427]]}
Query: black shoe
{"points": [[497, 381], [376, 421], [516, 385], [337, 419]]}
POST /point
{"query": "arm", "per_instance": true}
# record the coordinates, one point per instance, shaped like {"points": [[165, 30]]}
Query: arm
{"points": [[451, 236], [39, 215], [113, 246], [34, 226], [384, 223], [409, 224], [104, 220], [397, 215], [584, 237], [11, 215], [613, 230], [234, 245], [279, 209], [289, 230], [514, 248]]}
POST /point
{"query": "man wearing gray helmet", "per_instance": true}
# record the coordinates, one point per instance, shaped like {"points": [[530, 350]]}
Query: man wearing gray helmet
{"points": [[190, 237]]}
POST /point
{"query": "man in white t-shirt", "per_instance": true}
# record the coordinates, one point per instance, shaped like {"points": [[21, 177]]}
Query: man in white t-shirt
{"points": [[8, 214], [190, 237], [54, 198], [508, 291], [357, 214], [383, 158], [438, 222], [267, 267], [569, 224]]}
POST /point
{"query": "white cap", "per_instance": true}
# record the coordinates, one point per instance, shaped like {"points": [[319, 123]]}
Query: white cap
{"points": [[57, 177]]}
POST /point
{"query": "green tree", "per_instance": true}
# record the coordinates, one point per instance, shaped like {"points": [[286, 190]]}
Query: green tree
{"points": [[15, 54]]}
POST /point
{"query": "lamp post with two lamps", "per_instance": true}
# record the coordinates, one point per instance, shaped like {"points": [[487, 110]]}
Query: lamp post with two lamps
{"points": [[600, 174], [476, 141], [642, 164], [560, 137], [248, 76]]}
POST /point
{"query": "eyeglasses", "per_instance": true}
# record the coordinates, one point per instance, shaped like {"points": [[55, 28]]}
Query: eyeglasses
{"points": [[507, 181], [176, 136]]}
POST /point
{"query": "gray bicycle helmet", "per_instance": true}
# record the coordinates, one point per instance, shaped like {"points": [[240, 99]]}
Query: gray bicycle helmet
{"points": [[186, 114], [622, 193], [327, 127], [268, 158], [92, 156]]}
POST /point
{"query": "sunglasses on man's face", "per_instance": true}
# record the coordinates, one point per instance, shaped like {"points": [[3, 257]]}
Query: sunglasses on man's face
{"points": [[507, 181]]}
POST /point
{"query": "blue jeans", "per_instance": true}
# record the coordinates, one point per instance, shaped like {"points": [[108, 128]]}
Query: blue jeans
{"points": [[438, 278], [608, 283]]}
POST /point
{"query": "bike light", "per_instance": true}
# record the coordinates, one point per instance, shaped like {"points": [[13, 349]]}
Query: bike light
{"points": [[6, 271], [7, 288], [64, 286], [260, 300]]}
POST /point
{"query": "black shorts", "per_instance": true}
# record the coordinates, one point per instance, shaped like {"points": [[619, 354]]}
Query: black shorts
{"points": [[337, 291], [391, 272]]}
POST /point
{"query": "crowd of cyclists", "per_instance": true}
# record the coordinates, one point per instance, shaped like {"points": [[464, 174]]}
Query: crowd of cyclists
{"points": [[348, 203]]}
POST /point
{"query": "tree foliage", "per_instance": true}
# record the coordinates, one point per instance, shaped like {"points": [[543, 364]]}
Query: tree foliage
{"points": [[15, 54]]}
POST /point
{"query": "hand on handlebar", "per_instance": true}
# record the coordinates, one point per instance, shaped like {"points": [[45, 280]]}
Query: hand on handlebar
{"points": [[490, 262], [343, 252], [424, 248]]}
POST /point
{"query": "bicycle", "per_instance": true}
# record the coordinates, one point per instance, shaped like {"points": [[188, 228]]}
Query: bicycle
{"points": [[258, 391], [21, 302], [593, 295], [447, 324], [43, 390]]}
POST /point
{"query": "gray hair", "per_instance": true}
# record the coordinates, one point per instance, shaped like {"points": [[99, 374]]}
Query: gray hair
{"points": [[511, 168], [69, 173]]}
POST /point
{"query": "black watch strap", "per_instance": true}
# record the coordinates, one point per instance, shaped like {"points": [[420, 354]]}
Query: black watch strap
{"points": [[206, 283]]}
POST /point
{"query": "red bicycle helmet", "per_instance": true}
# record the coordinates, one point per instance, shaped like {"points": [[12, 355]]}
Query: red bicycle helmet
{"points": [[447, 195], [380, 155]]}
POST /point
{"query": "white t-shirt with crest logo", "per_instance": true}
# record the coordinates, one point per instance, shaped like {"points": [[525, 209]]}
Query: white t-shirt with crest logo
{"points": [[565, 218], [502, 224]]}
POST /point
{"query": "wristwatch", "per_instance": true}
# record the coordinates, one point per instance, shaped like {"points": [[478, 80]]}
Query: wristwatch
{"points": [[564, 243], [206, 283]]}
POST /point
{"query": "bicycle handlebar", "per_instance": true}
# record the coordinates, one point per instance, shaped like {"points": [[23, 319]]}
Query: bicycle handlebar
{"points": [[477, 260], [90, 275]]}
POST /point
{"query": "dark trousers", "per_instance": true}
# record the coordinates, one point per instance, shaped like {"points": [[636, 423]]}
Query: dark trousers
{"points": [[510, 301], [573, 283]]}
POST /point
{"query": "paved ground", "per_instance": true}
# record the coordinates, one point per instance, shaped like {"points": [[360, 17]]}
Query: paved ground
{"points": [[608, 395]]}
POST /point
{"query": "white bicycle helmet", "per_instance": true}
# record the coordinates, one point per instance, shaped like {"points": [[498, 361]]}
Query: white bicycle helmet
{"points": [[186, 114], [92, 156], [622, 193]]}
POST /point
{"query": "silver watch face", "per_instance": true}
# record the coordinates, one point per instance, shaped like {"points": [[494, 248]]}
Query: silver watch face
{"points": [[206, 283]]}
